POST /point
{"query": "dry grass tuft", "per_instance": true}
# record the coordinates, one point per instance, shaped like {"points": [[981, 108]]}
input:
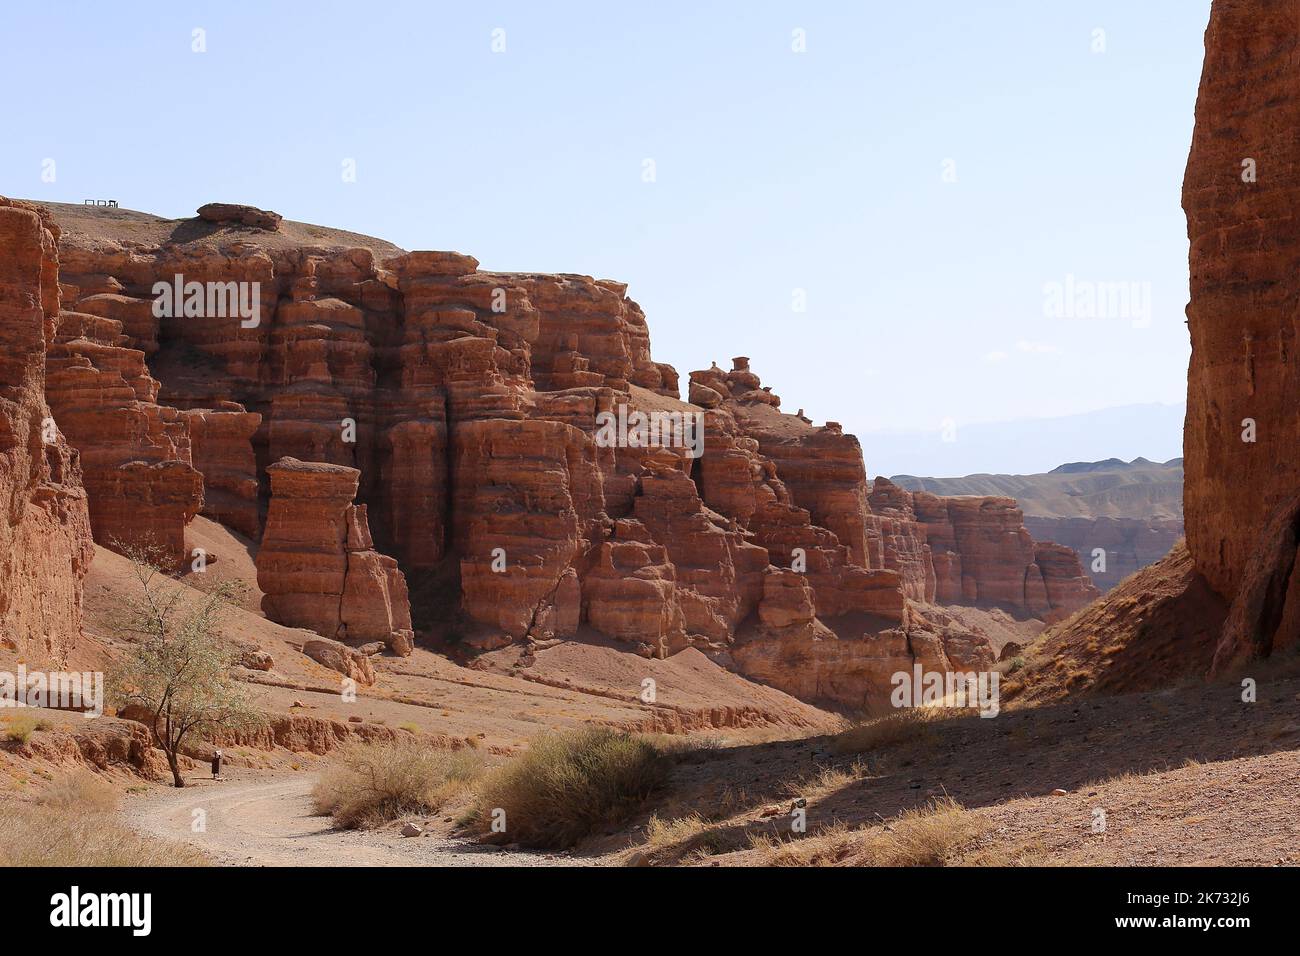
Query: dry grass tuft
{"points": [[373, 784], [933, 835], [71, 824], [906, 726], [566, 785], [82, 790], [19, 727]]}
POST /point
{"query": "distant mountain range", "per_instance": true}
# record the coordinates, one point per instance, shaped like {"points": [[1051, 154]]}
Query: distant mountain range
{"points": [[1132, 511], [1112, 488]]}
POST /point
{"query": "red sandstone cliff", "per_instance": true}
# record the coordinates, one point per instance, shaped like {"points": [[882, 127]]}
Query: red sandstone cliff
{"points": [[464, 412], [1240, 192], [1241, 488], [45, 546], [317, 565]]}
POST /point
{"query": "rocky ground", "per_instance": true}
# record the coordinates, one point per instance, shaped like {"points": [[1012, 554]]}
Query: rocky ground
{"points": [[1184, 777]]}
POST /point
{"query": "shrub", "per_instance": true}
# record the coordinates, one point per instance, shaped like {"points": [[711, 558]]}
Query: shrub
{"points": [[372, 784], [911, 724], [566, 785], [21, 726]]}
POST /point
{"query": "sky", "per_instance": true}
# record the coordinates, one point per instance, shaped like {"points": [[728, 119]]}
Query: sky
{"points": [[898, 211]]}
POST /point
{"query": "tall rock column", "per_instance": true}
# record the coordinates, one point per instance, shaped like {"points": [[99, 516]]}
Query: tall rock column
{"points": [[317, 566], [45, 544], [1240, 193]]}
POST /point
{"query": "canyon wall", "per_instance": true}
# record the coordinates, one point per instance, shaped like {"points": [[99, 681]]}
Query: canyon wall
{"points": [[1131, 510], [977, 550], [45, 544], [1131, 544], [1241, 188], [505, 442]]}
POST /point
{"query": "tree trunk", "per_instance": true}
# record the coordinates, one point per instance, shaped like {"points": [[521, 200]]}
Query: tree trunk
{"points": [[176, 770]]}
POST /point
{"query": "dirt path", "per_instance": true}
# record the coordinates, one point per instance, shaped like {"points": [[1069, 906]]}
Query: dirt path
{"points": [[267, 821]]}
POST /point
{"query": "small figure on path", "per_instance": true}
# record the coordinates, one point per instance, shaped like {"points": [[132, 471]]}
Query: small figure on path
{"points": [[216, 764]]}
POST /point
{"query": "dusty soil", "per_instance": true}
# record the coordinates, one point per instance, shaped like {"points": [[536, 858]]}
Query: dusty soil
{"points": [[1188, 776], [267, 820]]}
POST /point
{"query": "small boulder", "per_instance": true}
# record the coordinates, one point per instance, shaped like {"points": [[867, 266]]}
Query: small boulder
{"points": [[704, 396], [256, 660], [336, 656], [225, 212], [411, 830]]}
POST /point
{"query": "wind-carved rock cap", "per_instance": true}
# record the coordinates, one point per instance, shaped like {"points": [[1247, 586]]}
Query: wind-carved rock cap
{"points": [[223, 212]]}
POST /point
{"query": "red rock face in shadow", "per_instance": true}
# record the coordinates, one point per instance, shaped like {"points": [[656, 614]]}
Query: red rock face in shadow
{"points": [[221, 449], [317, 565], [45, 543], [1239, 194]]}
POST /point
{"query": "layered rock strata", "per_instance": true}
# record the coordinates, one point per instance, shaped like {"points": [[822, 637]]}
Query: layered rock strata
{"points": [[1241, 185], [317, 565], [45, 542], [508, 439]]}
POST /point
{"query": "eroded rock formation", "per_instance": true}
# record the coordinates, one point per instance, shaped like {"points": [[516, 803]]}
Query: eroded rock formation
{"points": [[1130, 544], [45, 544], [511, 444], [223, 212], [317, 565], [1241, 187]]}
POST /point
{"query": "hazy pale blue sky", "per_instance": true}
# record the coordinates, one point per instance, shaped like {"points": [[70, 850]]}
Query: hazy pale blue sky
{"points": [[775, 170]]}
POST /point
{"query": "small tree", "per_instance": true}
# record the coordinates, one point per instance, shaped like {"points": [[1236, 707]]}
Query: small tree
{"points": [[177, 670]]}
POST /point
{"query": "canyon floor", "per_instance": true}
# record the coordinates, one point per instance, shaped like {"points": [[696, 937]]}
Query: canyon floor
{"points": [[267, 820], [1189, 776]]}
